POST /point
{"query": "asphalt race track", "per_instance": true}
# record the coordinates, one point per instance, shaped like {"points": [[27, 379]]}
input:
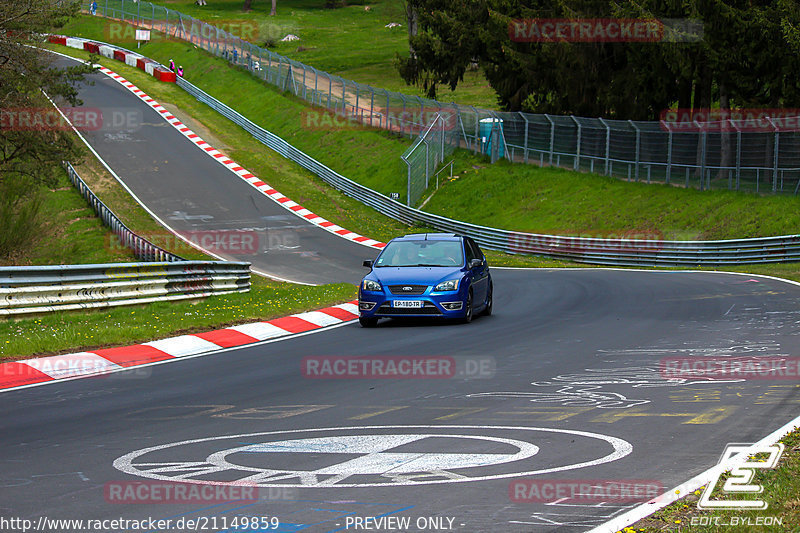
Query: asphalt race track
{"points": [[200, 198], [561, 384]]}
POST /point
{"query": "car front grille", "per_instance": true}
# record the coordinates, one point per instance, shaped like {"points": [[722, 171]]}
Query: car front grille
{"points": [[387, 310], [415, 290]]}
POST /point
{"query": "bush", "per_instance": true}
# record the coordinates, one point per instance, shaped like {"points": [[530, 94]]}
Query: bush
{"points": [[20, 206]]}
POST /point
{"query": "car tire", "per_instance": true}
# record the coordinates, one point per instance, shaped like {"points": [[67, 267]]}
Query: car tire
{"points": [[368, 322], [487, 311], [468, 309]]}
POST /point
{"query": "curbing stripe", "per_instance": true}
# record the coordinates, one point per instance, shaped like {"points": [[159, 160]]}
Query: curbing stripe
{"points": [[73, 364], [137, 354], [227, 338], [183, 345], [20, 374]]}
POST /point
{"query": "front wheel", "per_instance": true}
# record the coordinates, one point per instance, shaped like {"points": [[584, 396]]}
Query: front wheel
{"points": [[488, 309], [367, 322], [468, 312]]}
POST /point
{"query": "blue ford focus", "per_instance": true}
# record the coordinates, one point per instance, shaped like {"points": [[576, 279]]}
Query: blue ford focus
{"points": [[429, 274]]}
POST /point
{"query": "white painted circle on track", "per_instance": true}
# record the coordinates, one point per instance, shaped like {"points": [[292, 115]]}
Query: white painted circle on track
{"points": [[370, 451]]}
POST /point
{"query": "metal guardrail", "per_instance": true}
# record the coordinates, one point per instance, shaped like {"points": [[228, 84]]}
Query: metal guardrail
{"points": [[143, 249], [622, 252], [43, 289]]}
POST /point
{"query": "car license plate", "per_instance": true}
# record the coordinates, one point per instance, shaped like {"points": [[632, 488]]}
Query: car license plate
{"points": [[408, 303]]}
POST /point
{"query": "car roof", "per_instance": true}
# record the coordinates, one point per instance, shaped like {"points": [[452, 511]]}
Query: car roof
{"points": [[429, 237]]}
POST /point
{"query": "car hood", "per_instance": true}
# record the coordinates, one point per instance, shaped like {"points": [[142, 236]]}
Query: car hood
{"points": [[415, 275]]}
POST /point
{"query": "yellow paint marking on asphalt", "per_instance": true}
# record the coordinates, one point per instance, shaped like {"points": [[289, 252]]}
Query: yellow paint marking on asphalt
{"points": [[545, 414], [459, 412], [711, 416], [376, 413], [272, 412], [707, 395]]}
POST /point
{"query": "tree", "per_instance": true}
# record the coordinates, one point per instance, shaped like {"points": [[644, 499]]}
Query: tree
{"points": [[747, 56], [30, 152], [273, 11]]}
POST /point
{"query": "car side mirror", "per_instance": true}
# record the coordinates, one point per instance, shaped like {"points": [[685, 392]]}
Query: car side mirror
{"points": [[475, 263], [367, 263]]}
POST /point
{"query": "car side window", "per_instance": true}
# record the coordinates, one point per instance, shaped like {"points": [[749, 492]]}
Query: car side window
{"points": [[470, 251], [475, 252]]}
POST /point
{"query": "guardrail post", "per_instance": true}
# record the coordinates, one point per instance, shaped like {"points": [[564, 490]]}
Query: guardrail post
{"points": [[577, 163], [638, 146], [552, 136]]}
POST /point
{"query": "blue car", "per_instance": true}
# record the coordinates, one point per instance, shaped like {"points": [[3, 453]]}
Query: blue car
{"points": [[426, 275]]}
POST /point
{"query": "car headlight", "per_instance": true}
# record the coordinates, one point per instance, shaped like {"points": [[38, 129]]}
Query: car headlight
{"points": [[449, 285], [370, 285]]}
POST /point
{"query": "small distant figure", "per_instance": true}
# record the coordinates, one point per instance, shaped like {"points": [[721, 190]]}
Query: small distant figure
{"points": [[235, 55], [180, 71], [172, 65], [93, 8]]}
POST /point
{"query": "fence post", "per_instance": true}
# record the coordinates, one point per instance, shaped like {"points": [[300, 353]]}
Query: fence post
{"points": [[577, 163], [477, 132], [525, 145], [775, 151], [427, 163], [608, 145], [665, 124], [738, 153], [552, 136], [703, 140], [344, 98], [408, 186], [371, 103], [638, 146]]}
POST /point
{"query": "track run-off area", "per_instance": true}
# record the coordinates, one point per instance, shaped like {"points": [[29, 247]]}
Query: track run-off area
{"points": [[565, 384]]}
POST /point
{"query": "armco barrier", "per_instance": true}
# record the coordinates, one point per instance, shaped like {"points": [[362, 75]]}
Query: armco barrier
{"points": [[143, 249], [42, 289], [619, 252]]}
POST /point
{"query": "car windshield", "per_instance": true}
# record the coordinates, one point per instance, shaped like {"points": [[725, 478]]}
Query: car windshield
{"points": [[421, 253]]}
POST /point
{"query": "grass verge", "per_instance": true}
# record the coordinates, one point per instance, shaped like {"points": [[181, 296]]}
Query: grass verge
{"points": [[781, 493]]}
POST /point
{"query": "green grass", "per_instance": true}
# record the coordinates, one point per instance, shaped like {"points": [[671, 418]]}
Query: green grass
{"points": [[70, 232], [553, 200], [781, 492], [350, 41]]}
